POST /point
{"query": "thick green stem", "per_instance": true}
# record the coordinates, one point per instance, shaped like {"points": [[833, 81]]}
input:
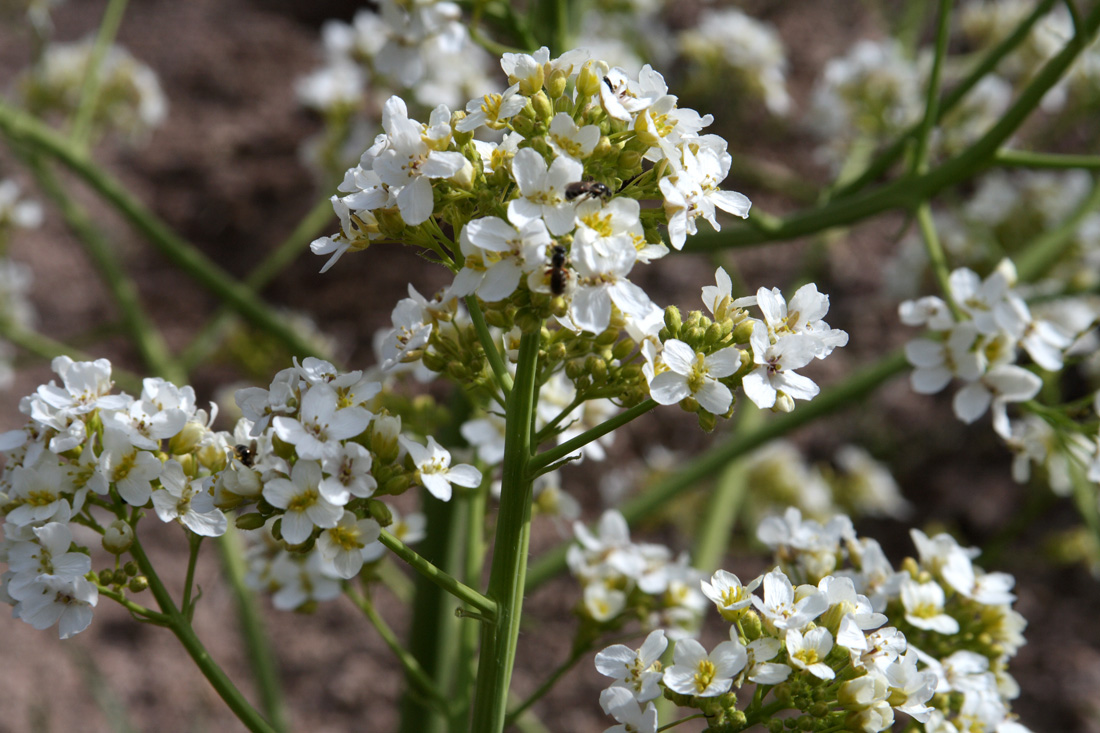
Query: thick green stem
{"points": [[181, 627], [855, 388], [26, 130], [261, 657], [513, 534], [931, 105], [1046, 161]]}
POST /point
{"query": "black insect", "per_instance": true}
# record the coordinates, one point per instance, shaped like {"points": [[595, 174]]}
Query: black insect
{"points": [[558, 274], [246, 454], [582, 190]]}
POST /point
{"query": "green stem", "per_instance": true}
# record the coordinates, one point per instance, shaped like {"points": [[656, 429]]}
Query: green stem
{"points": [[47, 348], [307, 230], [261, 657], [988, 63], [1045, 251], [488, 345], [513, 534], [931, 105], [936, 255], [475, 564], [181, 627], [485, 606], [413, 670], [855, 388], [194, 542], [548, 684], [547, 457], [25, 129], [135, 609], [89, 92], [1045, 161], [909, 190], [148, 340], [717, 524]]}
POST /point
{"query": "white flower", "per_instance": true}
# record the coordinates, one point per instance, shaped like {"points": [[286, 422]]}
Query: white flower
{"points": [[348, 470], [801, 316], [343, 544], [321, 423], [602, 603], [300, 498], [40, 492], [542, 191], [188, 501], [779, 607], [619, 703], [692, 191], [759, 669], [937, 362], [774, 374], [496, 256], [54, 599], [634, 669], [433, 466], [408, 162], [46, 554], [695, 672], [601, 281], [568, 140], [492, 109], [693, 374], [21, 213], [131, 470], [999, 386], [924, 607], [808, 651], [728, 594]]}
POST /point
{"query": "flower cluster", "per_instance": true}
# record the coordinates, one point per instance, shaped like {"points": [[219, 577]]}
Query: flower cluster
{"points": [[726, 40], [979, 341], [550, 226], [16, 310], [816, 640], [84, 449], [130, 99], [624, 580]]}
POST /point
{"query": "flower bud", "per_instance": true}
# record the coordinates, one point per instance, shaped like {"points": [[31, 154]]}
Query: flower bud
{"points": [[783, 402], [597, 367], [380, 512], [118, 538], [130, 568], [187, 439], [465, 176], [623, 349], [138, 584], [557, 351], [607, 337], [252, 520], [544, 108], [751, 625], [713, 334], [107, 577], [383, 438], [591, 77], [461, 138], [390, 223], [555, 85], [528, 321], [395, 485], [630, 160], [673, 320], [707, 421]]}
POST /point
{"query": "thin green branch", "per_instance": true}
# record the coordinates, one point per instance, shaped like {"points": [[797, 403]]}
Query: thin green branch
{"points": [[260, 655], [1049, 161], [547, 685], [135, 609], [143, 332], [988, 63], [26, 130], [853, 389], [931, 105], [413, 670], [181, 627], [89, 91], [1045, 251], [496, 363], [48, 348], [547, 457], [936, 255], [907, 191], [485, 606], [308, 228]]}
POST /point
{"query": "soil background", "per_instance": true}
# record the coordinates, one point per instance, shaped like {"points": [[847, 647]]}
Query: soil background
{"points": [[225, 172]]}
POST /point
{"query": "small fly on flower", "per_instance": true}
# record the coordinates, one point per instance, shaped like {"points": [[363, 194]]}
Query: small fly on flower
{"points": [[558, 274], [582, 190], [246, 454]]}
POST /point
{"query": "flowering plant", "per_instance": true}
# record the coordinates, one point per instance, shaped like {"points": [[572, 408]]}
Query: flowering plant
{"points": [[549, 201]]}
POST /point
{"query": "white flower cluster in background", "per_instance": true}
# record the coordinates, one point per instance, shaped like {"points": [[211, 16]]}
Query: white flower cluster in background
{"points": [[624, 580], [730, 40], [980, 342], [130, 100], [851, 644], [1006, 213], [16, 310]]}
